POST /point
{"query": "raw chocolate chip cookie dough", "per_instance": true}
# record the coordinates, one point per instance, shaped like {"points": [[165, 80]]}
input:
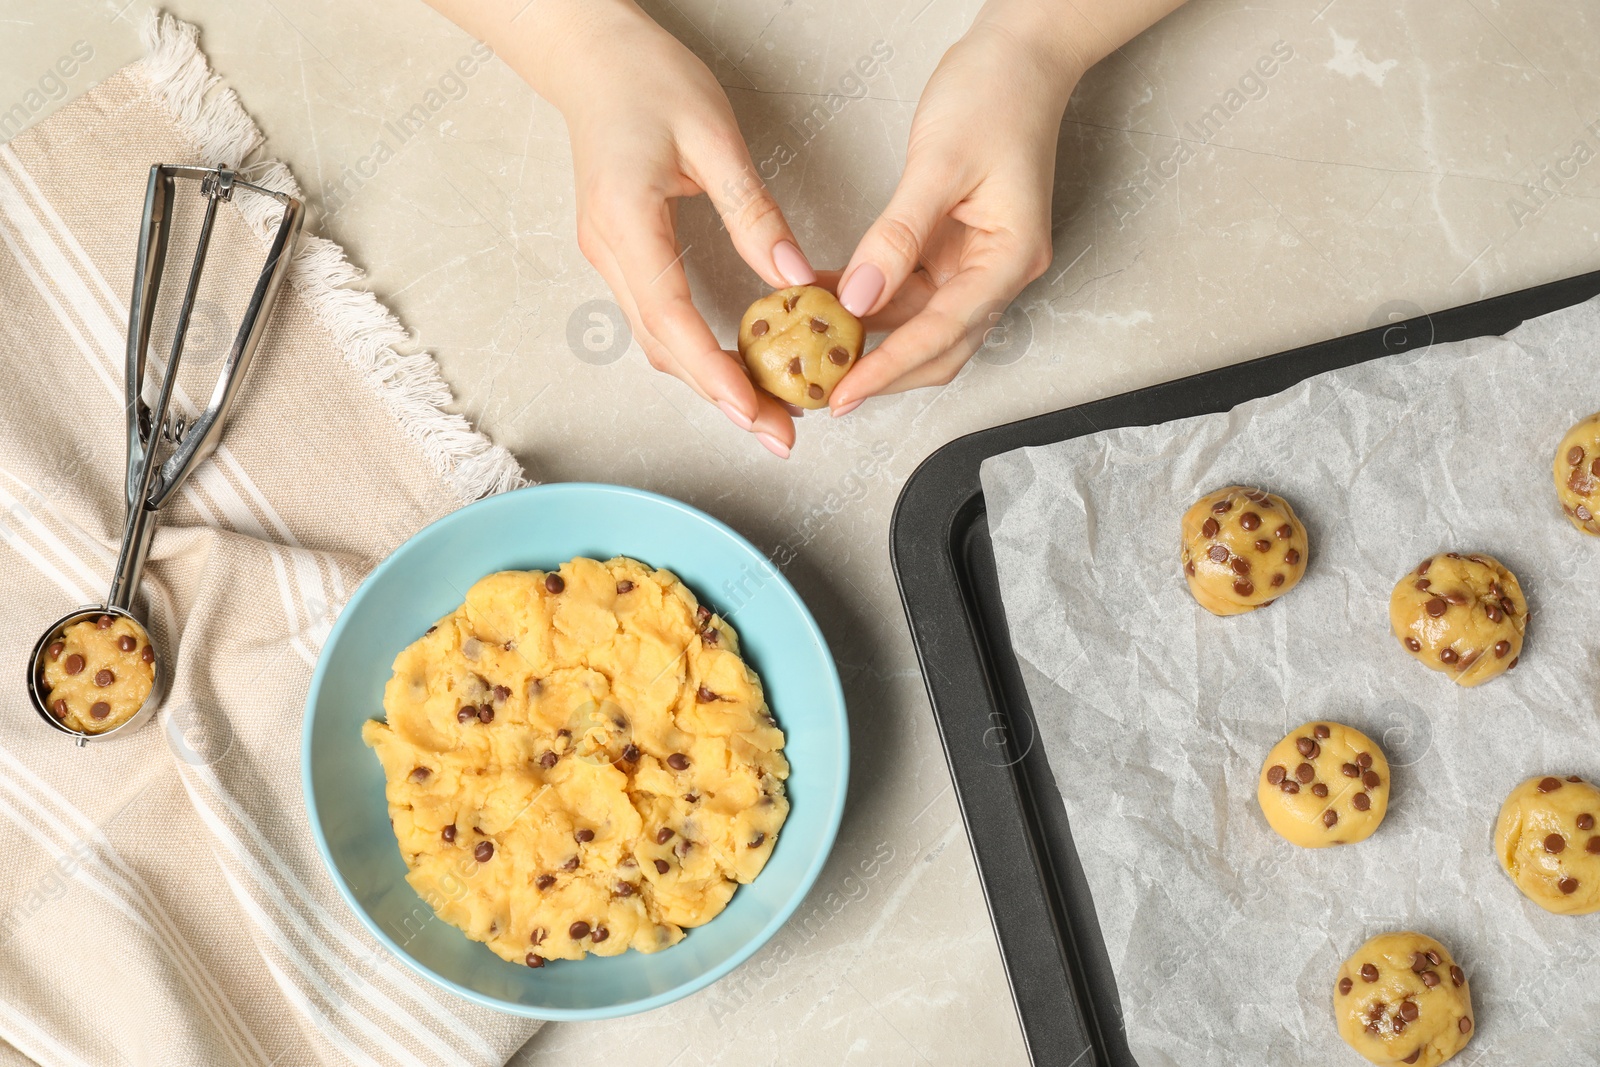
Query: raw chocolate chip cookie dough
{"points": [[1402, 999], [1548, 841], [579, 762], [1324, 784], [798, 343], [1242, 549], [1578, 475], [1463, 615], [98, 673]]}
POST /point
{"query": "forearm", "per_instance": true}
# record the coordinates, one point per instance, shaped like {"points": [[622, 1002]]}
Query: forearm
{"points": [[1067, 37]]}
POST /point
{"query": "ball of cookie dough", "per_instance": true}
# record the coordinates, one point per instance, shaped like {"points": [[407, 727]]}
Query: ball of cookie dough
{"points": [[1402, 999], [1578, 475], [1242, 549], [798, 343], [98, 673], [1324, 784], [1463, 615], [1548, 841]]}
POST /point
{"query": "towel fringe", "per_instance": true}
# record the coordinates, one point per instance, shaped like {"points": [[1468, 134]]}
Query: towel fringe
{"points": [[369, 336]]}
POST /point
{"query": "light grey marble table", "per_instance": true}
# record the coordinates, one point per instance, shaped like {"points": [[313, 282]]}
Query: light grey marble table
{"points": [[1403, 155]]}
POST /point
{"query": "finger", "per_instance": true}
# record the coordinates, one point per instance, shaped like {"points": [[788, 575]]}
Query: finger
{"points": [[909, 299], [755, 223], [946, 331], [892, 247]]}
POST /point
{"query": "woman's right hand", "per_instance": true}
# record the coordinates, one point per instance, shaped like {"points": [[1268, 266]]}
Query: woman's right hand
{"points": [[650, 124]]}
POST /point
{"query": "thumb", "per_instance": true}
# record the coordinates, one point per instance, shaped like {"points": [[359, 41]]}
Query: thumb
{"points": [[892, 248], [755, 223]]}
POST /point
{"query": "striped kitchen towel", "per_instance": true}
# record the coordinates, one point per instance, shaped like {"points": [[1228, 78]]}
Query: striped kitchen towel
{"points": [[161, 900]]}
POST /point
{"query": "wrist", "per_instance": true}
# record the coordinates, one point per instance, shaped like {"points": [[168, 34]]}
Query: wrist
{"points": [[1051, 38]]}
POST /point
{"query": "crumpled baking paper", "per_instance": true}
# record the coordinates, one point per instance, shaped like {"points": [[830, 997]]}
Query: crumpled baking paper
{"points": [[1156, 716]]}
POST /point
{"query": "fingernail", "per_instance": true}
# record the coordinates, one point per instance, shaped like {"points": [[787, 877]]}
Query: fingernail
{"points": [[737, 417], [840, 412], [794, 409], [773, 445], [862, 290], [791, 263]]}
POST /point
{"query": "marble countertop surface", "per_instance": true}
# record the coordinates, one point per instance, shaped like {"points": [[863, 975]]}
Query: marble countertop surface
{"points": [[1404, 156]]}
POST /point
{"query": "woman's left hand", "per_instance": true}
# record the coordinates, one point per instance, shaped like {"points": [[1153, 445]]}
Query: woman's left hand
{"points": [[969, 224]]}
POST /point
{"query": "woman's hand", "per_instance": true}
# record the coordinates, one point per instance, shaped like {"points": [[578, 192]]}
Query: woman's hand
{"points": [[649, 124], [969, 224]]}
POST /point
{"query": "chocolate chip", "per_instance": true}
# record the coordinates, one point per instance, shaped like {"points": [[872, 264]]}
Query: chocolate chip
{"points": [[1244, 587], [485, 713], [582, 834], [1292, 557], [99, 709], [1369, 973], [690, 798], [1465, 1025], [1413, 644], [624, 586], [838, 356], [578, 930], [600, 934], [1549, 785], [126, 643], [710, 636], [466, 713], [1319, 790], [1263, 546], [554, 583], [631, 753], [535, 960], [1594, 468], [74, 664], [448, 833], [1593, 845], [701, 614], [1305, 773], [1330, 817], [1586, 821], [664, 835], [1350, 770], [1188, 568], [1422, 584], [1457, 975], [1241, 565], [755, 842], [103, 622], [1449, 655], [1321, 732], [814, 392], [1306, 747], [104, 677], [1575, 456], [678, 761], [1413, 1057], [1437, 606], [1513, 664], [1430, 978], [624, 889], [548, 759], [501, 693], [483, 851], [1209, 528], [794, 365], [1362, 802], [1276, 774], [1456, 597], [1284, 532], [819, 326], [1345, 985], [429, 631], [1568, 886], [419, 774], [1250, 520], [1494, 613], [1501, 648], [1555, 844], [570, 865], [1218, 553], [1583, 513], [1408, 1010], [1573, 778], [1363, 760], [1290, 786], [704, 695], [1222, 507], [760, 327]]}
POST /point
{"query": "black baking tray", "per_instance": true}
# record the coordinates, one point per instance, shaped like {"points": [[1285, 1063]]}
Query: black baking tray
{"points": [[1044, 917]]}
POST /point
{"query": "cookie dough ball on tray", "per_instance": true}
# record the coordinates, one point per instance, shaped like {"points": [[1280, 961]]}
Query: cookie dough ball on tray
{"points": [[1402, 999], [798, 343], [1463, 615], [1578, 475], [1548, 841], [1242, 549], [1324, 784]]}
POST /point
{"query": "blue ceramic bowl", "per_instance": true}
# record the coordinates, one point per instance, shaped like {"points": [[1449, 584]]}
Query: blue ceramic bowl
{"points": [[541, 527]]}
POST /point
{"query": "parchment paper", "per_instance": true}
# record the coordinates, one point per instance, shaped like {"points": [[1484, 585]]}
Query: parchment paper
{"points": [[1156, 716]]}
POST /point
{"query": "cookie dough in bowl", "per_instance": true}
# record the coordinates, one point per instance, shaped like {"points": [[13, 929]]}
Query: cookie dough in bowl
{"points": [[798, 343], [1324, 784], [1464, 615], [1548, 840], [1402, 999], [1577, 471], [579, 762], [1243, 548], [99, 673]]}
